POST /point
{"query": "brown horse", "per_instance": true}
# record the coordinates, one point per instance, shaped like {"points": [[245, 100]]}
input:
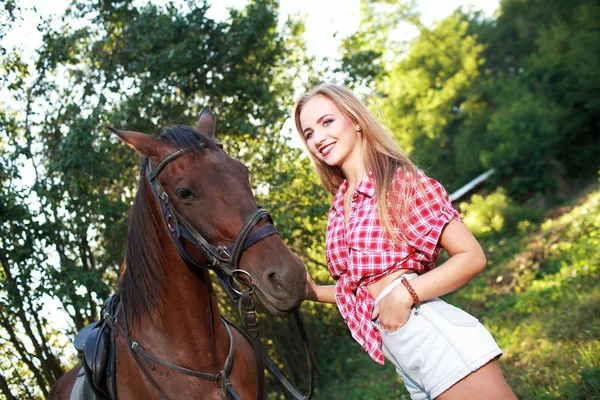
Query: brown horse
{"points": [[168, 307]]}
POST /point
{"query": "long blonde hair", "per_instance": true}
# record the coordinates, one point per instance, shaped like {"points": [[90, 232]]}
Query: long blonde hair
{"points": [[381, 154]]}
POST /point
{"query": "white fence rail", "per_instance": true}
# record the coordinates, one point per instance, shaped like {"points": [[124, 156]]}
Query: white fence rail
{"points": [[471, 185]]}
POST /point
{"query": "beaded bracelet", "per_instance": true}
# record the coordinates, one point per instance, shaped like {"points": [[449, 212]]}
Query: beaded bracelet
{"points": [[412, 292]]}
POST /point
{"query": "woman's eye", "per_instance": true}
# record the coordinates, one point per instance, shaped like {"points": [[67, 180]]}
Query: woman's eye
{"points": [[327, 122], [184, 194], [308, 135]]}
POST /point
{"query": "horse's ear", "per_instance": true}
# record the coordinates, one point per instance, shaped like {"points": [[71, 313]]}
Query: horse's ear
{"points": [[206, 122], [144, 144]]}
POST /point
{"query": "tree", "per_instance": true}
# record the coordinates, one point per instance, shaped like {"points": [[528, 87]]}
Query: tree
{"points": [[426, 93], [140, 68], [542, 63]]}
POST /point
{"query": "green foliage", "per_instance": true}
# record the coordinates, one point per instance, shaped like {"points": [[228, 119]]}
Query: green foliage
{"points": [[539, 297], [424, 93], [542, 61], [365, 53], [496, 214], [518, 93], [136, 67], [524, 132]]}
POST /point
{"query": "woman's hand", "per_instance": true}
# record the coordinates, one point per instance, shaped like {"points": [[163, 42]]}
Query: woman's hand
{"points": [[393, 309], [314, 292], [311, 288]]}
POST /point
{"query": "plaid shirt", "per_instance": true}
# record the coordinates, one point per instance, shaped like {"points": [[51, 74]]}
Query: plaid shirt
{"points": [[362, 253]]}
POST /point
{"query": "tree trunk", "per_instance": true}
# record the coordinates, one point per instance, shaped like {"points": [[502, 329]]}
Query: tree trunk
{"points": [[24, 355], [5, 389]]}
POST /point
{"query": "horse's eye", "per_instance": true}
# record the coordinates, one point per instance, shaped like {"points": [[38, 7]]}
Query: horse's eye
{"points": [[185, 194]]}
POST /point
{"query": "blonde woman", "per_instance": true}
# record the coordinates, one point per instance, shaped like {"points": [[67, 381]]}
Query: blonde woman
{"points": [[386, 227]]}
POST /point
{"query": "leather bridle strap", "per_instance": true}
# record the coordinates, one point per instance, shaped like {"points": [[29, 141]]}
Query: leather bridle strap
{"points": [[163, 163], [240, 243], [251, 324], [273, 367], [221, 378], [223, 261]]}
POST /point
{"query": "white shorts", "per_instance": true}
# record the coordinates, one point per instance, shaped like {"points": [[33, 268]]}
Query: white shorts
{"points": [[438, 346]]}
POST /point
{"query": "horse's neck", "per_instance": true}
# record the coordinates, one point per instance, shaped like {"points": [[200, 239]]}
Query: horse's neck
{"points": [[190, 326]]}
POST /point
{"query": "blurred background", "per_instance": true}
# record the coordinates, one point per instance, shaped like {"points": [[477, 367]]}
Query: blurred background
{"points": [[511, 88]]}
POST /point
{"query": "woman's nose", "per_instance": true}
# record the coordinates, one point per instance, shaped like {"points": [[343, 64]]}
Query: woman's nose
{"points": [[318, 136]]}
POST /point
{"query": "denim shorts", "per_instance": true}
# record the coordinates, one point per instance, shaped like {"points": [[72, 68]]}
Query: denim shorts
{"points": [[437, 346]]}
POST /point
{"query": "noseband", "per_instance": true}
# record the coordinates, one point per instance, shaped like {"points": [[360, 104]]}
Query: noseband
{"points": [[224, 261]]}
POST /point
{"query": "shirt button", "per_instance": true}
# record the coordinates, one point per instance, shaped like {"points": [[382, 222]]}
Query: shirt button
{"points": [[355, 196], [353, 208]]}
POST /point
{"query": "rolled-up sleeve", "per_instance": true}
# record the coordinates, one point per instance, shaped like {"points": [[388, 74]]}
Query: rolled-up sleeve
{"points": [[429, 211]]}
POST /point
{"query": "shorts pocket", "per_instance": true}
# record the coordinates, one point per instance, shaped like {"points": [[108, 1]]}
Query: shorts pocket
{"points": [[452, 314], [400, 329]]}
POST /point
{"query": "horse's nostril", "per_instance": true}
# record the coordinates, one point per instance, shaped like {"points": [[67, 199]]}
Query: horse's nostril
{"points": [[273, 278]]}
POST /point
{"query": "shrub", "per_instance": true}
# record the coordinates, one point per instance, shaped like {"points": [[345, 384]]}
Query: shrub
{"points": [[497, 213]]}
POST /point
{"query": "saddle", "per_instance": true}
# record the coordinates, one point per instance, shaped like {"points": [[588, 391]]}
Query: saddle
{"points": [[95, 345]]}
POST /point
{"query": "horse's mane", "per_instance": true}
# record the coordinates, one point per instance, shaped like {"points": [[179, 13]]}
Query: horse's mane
{"points": [[141, 282]]}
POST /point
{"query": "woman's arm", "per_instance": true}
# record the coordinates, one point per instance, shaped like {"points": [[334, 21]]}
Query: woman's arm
{"points": [[322, 294], [467, 260]]}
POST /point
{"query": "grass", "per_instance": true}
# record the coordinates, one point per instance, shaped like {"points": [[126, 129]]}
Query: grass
{"points": [[540, 298]]}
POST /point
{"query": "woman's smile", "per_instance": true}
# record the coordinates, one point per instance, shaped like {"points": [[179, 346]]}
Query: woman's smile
{"points": [[325, 150]]}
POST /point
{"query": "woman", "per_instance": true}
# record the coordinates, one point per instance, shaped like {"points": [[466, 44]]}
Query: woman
{"points": [[386, 226]]}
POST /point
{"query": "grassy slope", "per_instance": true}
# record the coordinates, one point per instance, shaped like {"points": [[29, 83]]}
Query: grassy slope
{"points": [[540, 298]]}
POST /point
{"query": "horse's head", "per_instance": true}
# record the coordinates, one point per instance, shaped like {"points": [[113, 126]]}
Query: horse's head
{"points": [[211, 192]]}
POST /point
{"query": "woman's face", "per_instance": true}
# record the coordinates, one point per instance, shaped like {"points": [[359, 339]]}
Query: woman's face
{"points": [[330, 134]]}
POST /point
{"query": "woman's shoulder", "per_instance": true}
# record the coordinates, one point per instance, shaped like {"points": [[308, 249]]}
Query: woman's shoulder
{"points": [[417, 185], [411, 176]]}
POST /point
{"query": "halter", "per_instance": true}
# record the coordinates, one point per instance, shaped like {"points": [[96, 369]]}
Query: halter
{"points": [[224, 261]]}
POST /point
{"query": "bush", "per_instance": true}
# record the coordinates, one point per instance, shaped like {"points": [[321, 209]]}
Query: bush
{"points": [[497, 214]]}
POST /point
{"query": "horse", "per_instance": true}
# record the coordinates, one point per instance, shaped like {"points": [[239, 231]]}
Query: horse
{"points": [[169, 338]]}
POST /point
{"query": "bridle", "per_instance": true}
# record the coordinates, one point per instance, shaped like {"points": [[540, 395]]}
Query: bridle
{"points": [[224, 261]]}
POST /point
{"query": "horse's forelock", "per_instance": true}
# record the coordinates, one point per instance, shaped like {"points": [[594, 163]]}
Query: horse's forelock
{"points": [[185, 137]]}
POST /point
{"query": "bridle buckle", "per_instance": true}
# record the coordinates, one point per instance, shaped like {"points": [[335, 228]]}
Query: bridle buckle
{"points": [[223, 252]]}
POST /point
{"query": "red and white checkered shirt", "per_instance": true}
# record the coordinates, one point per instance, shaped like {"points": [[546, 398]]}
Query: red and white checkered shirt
{"points": [[362, 253]]}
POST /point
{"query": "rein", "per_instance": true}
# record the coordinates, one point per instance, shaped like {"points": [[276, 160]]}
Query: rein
{"points": [[224, 261]]}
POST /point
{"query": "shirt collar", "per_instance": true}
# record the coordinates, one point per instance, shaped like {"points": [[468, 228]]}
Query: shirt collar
{"points": [[366, 187]]}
